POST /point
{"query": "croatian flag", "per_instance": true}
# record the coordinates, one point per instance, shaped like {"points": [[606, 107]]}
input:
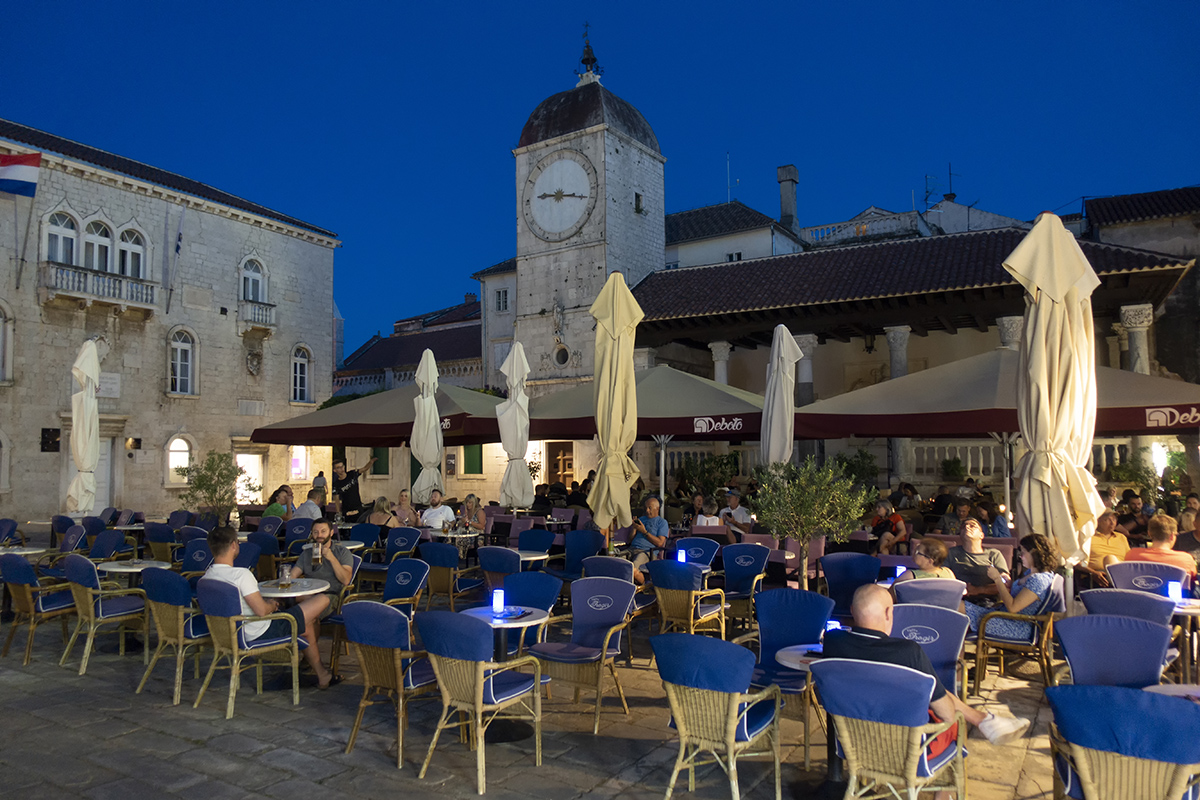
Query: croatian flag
{"points": [[19, 174]]}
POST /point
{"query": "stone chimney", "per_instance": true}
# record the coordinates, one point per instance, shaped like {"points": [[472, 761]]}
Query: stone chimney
{"points": [[949, 197], [470, 297], [788, 177]]}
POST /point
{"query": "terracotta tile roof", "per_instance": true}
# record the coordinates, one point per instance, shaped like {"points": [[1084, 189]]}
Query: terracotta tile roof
{"points": [[447, 344], [48, 142], [884, 269], [1147, 205], [443, 316], [508, 265], [718, 220]]}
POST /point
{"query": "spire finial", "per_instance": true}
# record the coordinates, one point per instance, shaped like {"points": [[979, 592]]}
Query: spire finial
{"points": [[591, 68]]}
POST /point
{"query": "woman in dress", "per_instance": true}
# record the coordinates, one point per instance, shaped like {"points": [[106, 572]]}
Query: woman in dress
{"points": [[405, 514], [1028, 593], [381, 514], [911, 498], [471, 517]]}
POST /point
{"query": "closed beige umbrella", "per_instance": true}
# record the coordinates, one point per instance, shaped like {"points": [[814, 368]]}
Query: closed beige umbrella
{"points": [[516, 488], [617, 315], [426, 442], [779, 408], [85, 429], [1056, 389]]}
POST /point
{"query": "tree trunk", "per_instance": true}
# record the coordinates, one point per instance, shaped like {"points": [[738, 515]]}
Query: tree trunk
{"points": [[803, 569]]}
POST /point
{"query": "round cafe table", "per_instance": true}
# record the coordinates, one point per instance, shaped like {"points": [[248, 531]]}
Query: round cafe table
{"points": [[507, 730], [463, 540], [132, 567], [1187, 611], [529, 556], [301, 587], [798, 657], [24, 551], [1185, 691]]}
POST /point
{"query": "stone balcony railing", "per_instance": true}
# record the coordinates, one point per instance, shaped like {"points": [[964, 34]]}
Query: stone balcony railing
{"points": [[254, 315], [56, 281], [892, 226]]}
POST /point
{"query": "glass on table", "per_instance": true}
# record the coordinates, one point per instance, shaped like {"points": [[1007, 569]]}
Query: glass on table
{"points": [[285, 576]]}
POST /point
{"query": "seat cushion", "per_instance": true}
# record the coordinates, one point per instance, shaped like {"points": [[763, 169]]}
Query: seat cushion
{"points": [[505, 686], [569, 652], [53, 572], [118, 606], [930, 762], [53, 601], [789, 681], [420, 674], [642, 600], [195, 626], [707, 609], [1066, 774], [467, 584], [264, 641], [755, 721], [368, 566], [564, 576]]}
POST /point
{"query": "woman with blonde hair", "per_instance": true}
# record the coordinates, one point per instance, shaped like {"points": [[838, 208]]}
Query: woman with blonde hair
{"points": [[405, 514], [472, 517], [381, 514]]}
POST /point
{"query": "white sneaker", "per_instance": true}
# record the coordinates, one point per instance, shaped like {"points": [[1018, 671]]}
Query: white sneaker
{"points": [[1002, 730]]}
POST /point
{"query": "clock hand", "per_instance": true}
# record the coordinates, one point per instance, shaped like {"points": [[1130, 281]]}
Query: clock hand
{"points": [[559, 195]]}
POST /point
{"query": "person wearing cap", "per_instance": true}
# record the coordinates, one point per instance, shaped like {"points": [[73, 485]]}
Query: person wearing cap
{"points": [[735, 516]]}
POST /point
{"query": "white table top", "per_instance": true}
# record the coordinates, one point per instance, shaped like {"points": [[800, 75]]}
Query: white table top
{"points": [[1187, 691], [301, 587], [137, 527], [454, 534], [536, 616], [24, 551], [533, 555], [796, 657], [351, 544], [1190, 608], [133, 565]]}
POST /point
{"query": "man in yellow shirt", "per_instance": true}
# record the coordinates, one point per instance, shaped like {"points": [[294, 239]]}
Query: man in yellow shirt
{"points": [[1108, 546]]}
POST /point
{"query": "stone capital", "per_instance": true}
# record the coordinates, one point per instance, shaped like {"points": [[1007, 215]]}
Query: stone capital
{"points": [[1010, 331], [1122, 335], [720, 350], [897, 336], [1137, 318], [807, 342]]}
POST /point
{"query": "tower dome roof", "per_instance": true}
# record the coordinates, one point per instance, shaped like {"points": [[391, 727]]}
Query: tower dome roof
{"points": [[580, 108]]}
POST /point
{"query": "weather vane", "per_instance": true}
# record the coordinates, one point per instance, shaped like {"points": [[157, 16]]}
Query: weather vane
{"points": [[588, 60]]}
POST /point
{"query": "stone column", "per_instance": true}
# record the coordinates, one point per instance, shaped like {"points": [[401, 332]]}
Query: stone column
{"points": [[1136, 321], [720, 354], [805, 391], [897, 339], [1122, 346], [1010, 331]]}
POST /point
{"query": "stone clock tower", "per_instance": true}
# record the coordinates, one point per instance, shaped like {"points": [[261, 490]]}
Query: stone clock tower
{"points": [[589, 202]]}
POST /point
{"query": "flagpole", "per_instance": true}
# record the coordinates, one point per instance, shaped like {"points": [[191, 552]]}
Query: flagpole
{"points": [[25, 243], [16, 255], [175, 260]]}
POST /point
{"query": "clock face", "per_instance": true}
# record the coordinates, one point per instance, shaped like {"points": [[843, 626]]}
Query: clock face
{"points": [[560, 195]]}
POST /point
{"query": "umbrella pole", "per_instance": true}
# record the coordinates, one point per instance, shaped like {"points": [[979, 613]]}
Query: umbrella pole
{"points": [[663, 441]]}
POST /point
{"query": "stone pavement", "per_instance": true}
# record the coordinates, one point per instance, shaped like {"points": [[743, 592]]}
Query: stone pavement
{"points": [[91, 736]]}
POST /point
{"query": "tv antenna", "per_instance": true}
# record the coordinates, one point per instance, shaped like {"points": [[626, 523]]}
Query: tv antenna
{"points": [[729, 185]]}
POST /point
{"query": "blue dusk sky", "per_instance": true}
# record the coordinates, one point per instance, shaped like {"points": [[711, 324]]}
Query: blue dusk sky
{"points": [[392, 123]]}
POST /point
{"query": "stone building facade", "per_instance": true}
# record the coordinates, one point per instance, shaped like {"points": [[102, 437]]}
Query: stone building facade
{"points": [[216, 313]]}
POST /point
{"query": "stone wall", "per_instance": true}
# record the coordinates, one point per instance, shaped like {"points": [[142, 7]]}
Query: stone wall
{"points": [[243, 378]]}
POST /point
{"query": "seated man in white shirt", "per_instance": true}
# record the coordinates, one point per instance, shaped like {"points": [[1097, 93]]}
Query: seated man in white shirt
{"points": [[310, 508], [437, 515], [223, 542], [736, 516]]}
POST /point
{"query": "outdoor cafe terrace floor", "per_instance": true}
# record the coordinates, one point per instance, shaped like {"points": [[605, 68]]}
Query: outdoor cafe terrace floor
{"points": [[91, 736]]}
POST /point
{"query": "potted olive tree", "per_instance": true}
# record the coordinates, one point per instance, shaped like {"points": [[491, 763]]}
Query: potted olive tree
{"points": [[808, 501], [213, 484]]}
